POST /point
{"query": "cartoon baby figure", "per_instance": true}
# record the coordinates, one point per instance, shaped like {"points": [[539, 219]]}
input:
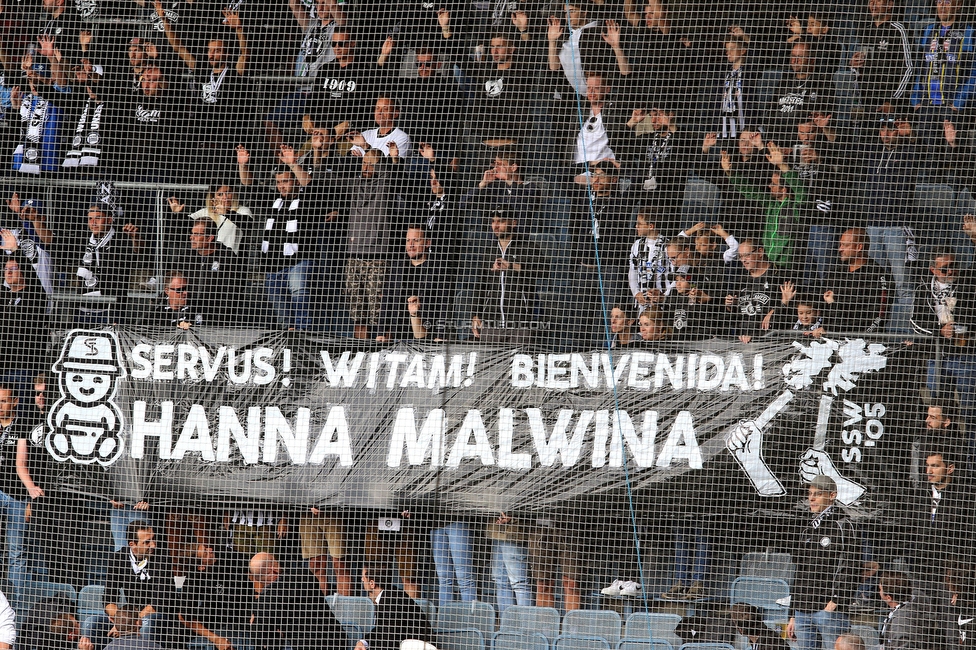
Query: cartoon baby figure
{"points": [[85, 423]]}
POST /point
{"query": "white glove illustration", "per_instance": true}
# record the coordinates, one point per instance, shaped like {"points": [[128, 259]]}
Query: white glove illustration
{"points": [[745, 442], [816, 462]]}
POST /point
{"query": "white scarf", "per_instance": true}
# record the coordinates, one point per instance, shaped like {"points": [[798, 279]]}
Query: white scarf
{"points": [[33, 111], [92, 260], [86, 146]]}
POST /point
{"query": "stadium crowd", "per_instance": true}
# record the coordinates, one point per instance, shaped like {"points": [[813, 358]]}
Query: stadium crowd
{"points": [[510, 172], [559, 171]]}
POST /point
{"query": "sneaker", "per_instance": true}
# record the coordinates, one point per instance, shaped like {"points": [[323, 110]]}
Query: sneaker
{"points": [[630, 589], [677, 592], [613, 589], [695, 592]]}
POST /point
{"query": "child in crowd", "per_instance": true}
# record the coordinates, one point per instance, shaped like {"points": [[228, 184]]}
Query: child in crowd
{"points": [[650, 270]]}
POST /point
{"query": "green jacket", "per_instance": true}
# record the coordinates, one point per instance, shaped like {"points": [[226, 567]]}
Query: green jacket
{"points": [[782, 217]]}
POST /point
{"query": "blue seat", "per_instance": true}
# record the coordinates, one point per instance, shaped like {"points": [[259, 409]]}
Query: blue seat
{"points": [[601, 623], [430, 609], [523, 618], [353, 634], [768, 565], [869, 635], [580, 642], [846, 93], [761, 592], [476, 615], [90, 601], [37, 590], [701, 202], [645, 626], [470, 639], [518, 640], [768, 84], [637, 644], [706, 646], [355, 610]]}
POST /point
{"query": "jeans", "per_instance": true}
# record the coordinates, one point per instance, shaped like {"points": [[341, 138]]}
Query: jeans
{"points": [[690, 554], [288, 291], [820, 629], [17, 572], [164, 629], [888, 249], [821, 255], [510, 571], [453, 556]]}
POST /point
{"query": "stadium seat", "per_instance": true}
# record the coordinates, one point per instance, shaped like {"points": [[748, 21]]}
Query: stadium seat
{"points": [[768, 84], [707, 646], [768, 565], [356, 610], [523, 618], [430, 609], [644, 626], [580, 642], [90, 601], [353, 633], [761, 592], [459, 640], [476, 615], [601, 623], [512, 640], [868, 634], [36, 590], [701, 202], [935, 204], [637, 644], [934, 199], [845, 92]]}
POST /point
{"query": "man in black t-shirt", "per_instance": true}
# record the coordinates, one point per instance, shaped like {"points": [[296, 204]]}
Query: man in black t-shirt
{"points": [[431, 104], [758, 296], [215, 598], [857, 294], [502, 95], [142, 581], [154, 125], [398, 617], [219, 96], [415, 297], [179, 306], [214, 272]]}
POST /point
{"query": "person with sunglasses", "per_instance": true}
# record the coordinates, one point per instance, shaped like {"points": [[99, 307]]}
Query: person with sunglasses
{"points": [[945, 307], [176, 307]]}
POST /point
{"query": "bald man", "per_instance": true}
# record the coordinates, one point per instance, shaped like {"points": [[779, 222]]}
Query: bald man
{"points": [[849, 642], [290, 610]]}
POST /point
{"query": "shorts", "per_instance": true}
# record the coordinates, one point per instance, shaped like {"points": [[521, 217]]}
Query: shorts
{"points": [[404, 547], [553, 551], [320, 536], [364, 288]]}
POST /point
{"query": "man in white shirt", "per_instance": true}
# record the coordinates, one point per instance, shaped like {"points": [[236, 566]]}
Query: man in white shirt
{"points": [[386, 114]]}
